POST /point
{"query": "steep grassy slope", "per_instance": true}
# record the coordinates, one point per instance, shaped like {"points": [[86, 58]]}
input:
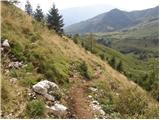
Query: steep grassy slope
{"points": [[138, 70], [113, 20], [45, 55]]}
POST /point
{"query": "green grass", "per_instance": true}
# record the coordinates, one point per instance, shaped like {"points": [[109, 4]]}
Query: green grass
{"points": [[35, 109], [132, 105]]}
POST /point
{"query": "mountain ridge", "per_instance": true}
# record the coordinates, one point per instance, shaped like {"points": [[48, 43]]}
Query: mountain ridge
{"points": [[113, 20]]}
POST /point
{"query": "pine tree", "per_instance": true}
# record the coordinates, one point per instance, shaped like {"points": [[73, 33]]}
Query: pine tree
{"points": [[38, 14], [54, 20], [28, 8]]}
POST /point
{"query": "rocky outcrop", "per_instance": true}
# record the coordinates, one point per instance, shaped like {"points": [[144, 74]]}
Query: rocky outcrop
{"points": [[46, 89]]}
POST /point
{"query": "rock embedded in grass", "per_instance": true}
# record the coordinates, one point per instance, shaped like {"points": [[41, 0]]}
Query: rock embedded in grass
{"points": [[44, 87], [5, 43]]}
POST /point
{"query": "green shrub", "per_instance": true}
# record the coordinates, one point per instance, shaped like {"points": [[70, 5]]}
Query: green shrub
{"points": [[102, 56], [34, 36], [17, 50], [57, 72], [86, 70], [35, 109]]}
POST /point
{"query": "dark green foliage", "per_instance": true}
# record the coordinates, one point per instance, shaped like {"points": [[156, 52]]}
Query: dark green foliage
{"points": [[54, 20], [102, 56], [75, 38], [86, 70], [17, 51], [120, 66], [57, 72], [38, 14], [35, 109], [112, 62], [28, 8]]}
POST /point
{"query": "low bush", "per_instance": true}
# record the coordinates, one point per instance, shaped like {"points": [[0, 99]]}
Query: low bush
{"points": [[17, 51], [86, 70], [35, 109]]}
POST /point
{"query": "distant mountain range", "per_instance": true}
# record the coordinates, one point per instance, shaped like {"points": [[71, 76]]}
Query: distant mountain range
{"points": [[77, 14], [113, 20]]}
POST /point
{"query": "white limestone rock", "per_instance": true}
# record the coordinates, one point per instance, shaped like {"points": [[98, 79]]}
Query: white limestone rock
{"points": [[44, 87], [15, 64], [5, 43]]}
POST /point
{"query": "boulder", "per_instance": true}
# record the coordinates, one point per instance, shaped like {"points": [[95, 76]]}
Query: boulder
{"points": [[5, 43], [59, 107], [58, 110], [44, 87]]}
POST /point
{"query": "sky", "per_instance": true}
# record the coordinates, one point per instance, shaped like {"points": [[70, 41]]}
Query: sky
{"points": [[128, 5]]}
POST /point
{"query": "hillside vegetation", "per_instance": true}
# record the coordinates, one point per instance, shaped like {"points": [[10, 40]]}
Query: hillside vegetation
{"points": [[144, 72], [45, 55]]}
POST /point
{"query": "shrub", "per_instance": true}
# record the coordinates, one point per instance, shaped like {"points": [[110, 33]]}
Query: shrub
{"points": [[17, 50], [112, 62], [102, 56], [57, 72], [35, 109], [120, 67], [86, 70], [34, 36]]}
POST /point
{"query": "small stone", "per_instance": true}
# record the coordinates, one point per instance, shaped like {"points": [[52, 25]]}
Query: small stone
{"points": [[117, 94], [15, 64], [89, 96], [2, 49], [5, 43], [13, 80], [93, 89]]}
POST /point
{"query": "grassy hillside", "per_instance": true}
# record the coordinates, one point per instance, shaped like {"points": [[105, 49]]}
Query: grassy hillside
{"points": [[129, 65], [45, 55]]}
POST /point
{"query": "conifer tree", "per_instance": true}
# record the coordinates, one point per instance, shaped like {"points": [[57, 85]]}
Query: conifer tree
{"points": [[55, 20], [28, 8], [38, 14]]}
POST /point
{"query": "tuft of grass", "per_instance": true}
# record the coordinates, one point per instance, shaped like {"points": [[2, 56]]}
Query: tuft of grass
{"points": [[86, 70], [35, 109]]}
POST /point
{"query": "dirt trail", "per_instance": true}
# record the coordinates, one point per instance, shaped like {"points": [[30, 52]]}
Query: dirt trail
{"points": [[79, 102]]}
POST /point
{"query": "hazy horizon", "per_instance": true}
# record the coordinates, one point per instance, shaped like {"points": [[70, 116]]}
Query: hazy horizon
{"points": [[67, 4]]}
